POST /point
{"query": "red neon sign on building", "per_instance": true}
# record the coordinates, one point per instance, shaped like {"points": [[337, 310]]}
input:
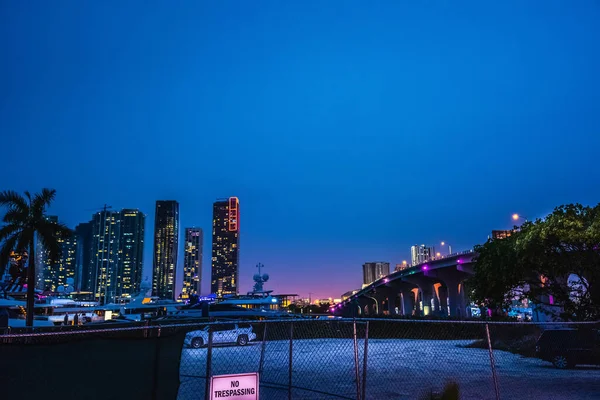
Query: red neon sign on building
{"points": [[234, 214]]}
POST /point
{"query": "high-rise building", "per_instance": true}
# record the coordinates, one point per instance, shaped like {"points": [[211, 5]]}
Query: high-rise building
{"points": [[192, 262], [421, 254], [373, 271], [166, 239], [41, 259], [55, 272], [403, 266], [110, 254], [131, 252], [83, 257], [105, 255], [225, 247]]}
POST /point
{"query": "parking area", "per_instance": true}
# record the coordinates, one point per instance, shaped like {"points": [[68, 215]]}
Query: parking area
{"points": [[396, 369]]}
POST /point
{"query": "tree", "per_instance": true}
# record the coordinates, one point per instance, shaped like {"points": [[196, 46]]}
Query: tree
{"points": [[553, 261], [565, 244], [23, 220], [497, 274]]}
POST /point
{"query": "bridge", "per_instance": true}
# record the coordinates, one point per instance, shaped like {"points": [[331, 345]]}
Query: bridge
{"points": [[434, 288]]}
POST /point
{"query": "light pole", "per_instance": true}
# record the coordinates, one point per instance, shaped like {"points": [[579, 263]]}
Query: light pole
{"points": [[449, 248], [517, 217]]}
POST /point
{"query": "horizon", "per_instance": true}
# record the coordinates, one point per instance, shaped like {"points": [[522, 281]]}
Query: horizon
{"points": [[349, 132]]}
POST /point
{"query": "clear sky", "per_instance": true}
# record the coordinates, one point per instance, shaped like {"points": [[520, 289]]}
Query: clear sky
{"points": [[349, 130]]}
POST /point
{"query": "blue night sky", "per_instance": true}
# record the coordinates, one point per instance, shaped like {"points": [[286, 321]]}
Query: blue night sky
{"points": [[349, 130]]}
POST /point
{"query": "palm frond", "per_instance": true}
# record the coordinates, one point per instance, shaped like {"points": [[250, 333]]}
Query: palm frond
{"points": [[13, 199], [48, 234], [15, 216], [8, 230], [8, 246], [41, 201], [61, 230]]}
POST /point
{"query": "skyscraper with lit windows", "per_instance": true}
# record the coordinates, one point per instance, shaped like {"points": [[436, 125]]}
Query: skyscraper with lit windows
{"points": [[131, 252], [83, 257], [225, 247], [105, 255], [192, 262], [166, 243], [55, 272], [373, 271], [109, 254], [421, 254]]}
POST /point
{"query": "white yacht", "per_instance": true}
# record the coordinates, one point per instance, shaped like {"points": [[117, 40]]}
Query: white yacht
{"points": [[16, 314], [258, 303], [142, 307]]}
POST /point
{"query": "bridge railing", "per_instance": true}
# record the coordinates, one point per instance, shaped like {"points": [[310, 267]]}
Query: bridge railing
{"points": [[304, 359]]}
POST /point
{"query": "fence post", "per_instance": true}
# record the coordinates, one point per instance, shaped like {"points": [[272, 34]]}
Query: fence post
{"points": [[290, 358], [262, 351], [356, 366], [156, 361], [208, 363], [492, 362], [365, 352]]}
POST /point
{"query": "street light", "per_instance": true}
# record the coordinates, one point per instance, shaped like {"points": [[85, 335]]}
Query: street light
{"points": [[449, 248], [516, 217]]}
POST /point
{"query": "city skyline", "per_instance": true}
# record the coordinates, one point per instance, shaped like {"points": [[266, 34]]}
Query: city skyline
{"points": [[348, 131], [179, 275]]}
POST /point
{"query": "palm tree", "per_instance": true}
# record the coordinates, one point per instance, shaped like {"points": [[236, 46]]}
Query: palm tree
{"points": [[24, 219]]}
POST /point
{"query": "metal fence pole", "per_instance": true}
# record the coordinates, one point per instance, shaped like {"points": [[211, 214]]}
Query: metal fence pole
{"points": [[492, 362], [208, 363], [290, 366], [156, 361], [365, 352], [356, 366], [262, 352]]}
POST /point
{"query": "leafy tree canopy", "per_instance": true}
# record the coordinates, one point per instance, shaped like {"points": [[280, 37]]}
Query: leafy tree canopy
{"points": [[555, 260]]}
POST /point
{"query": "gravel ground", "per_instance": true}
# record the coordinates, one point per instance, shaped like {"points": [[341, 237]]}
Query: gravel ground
{"points": [[396, 369]]}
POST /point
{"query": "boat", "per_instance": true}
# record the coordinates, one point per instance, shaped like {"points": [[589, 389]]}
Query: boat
{"points": [[146, 307], [16, 315], [258, 303]]}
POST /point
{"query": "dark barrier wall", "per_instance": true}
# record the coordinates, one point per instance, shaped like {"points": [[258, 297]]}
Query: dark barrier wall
{"points": [[92, 368]]}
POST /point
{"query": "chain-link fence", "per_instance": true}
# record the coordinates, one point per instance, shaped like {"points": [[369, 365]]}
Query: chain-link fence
{"points": [[309, 359]]}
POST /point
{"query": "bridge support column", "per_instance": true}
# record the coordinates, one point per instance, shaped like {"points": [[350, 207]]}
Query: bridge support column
{"points": [[389, 295], [455, 299], [351, 310], [391, 302], [436, 299], [417, 295], [381, 304], [453, 279], [465, 300], [426, 296], [427, 292], [366, 305], [408, 302], [373, 306], [443, 297]]}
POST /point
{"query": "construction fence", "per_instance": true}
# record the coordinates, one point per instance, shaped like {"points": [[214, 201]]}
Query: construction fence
{"points": [[308, 359]]}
